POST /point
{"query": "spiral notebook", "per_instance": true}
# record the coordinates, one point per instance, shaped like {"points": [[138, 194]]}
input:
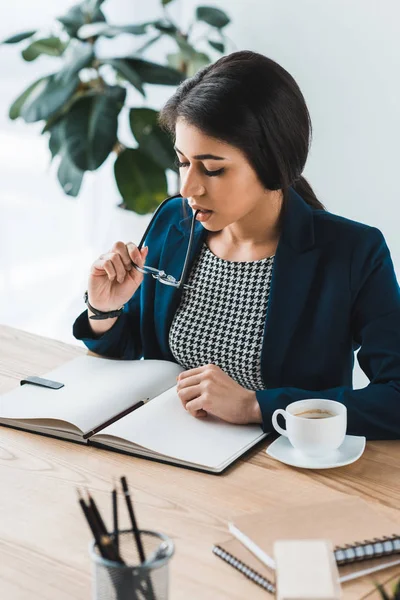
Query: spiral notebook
{"points": [[359, 533]]}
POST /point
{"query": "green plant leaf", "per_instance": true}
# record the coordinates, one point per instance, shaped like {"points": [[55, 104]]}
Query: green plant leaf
{"points": [[217, 46], [152, 140], [78, 56], [150, 72], [90, 128], [93, 5], [48, 99], [52, 46], [176, 60], [56, 138], [14, 39], [196, 63], [16, 106], [79, 15], [165, 2], [141, 182], [213, 16], [186, 49], [164, 25], [69, 176], [127, 71], [104, 29]]}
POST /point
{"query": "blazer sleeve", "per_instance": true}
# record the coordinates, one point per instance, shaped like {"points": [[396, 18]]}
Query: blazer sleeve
{"points": [[373, 411], [122, 341]]}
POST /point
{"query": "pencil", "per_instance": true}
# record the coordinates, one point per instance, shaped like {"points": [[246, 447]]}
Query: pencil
{"points": [[96, 514], [115, 516], [93, 525], [106, 540], [135, 529], [149, 595]]}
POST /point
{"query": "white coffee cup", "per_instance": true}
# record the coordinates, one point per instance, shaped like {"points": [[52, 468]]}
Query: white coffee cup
{"points": [[315, 427]]}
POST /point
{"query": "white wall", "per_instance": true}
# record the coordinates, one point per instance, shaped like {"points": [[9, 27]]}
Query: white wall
{"points": [[345, 56]]}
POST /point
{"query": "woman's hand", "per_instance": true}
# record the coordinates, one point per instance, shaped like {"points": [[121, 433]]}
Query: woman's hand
{"points": [[209, 389], [113, 280]]}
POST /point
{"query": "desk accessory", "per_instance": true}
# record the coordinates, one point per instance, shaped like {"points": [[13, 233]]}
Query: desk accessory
{"points": [[120, 568], [42, 382], [306, 570], [351, 450], [358, 531], [104, 403], [315, 427]]}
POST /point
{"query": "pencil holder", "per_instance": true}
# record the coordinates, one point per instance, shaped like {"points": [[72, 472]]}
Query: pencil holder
{"points": [[133, 580]]}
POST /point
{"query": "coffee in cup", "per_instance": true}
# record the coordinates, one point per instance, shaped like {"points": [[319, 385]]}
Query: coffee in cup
{"points": [[314, 414], [316, 427]]}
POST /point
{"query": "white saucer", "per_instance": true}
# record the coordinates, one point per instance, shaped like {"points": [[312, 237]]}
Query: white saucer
{"points": [[350, 451]]}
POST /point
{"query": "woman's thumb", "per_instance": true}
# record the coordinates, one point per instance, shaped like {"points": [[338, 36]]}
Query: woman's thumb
{"points": [[144, 252]]}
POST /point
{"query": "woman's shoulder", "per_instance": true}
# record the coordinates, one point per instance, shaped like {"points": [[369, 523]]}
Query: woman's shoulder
{"points": [[329, 226]]}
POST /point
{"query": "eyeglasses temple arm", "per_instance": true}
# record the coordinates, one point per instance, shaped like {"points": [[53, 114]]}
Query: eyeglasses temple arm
{"points": [[186, 265], [152, 219]]}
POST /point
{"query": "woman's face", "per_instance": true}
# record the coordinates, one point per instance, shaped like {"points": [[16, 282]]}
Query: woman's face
{"points": [[216, 177]]}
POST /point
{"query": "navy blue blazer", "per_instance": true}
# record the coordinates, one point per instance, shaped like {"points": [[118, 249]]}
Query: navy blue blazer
{"points": [[333, 290]]}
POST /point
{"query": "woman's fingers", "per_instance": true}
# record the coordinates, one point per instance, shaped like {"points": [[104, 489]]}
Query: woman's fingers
{"points": [[185, 382], [188, 394], [118, 261], [194, 406], [121, 249], [112, 264], [135, 255]]}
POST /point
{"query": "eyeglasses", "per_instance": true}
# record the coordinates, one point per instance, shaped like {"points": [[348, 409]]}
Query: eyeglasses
{"points": [[158, 274]]}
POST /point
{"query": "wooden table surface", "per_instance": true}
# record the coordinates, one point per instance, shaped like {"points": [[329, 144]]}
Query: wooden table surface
{"points": [[44, 539]]}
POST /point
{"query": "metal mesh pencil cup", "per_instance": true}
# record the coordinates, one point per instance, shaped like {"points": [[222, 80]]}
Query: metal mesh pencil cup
{"points": [[133, 580]]}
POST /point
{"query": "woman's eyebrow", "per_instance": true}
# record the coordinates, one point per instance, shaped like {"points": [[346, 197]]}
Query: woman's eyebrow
{"points": [[203, 156]]}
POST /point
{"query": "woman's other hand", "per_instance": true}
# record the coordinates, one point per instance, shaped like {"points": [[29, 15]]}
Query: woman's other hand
{"points": [[113, 280], [209, 389]]}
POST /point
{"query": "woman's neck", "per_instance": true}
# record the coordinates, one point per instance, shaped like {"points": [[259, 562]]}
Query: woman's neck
{"points": [[253, 237]]}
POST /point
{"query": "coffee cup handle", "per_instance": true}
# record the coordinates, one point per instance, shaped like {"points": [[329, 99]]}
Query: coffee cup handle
{"points": [[279, 411]]}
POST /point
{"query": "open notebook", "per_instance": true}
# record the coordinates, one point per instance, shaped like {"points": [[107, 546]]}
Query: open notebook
{"points": [[95, 407], [365, 540]]}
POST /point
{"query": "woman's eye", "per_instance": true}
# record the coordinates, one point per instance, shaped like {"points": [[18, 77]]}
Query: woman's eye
{"points": [[214, 173], [182, 165]]}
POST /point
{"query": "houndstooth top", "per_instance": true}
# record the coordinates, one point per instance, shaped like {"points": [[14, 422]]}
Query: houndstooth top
{"points": [[221, 319]]}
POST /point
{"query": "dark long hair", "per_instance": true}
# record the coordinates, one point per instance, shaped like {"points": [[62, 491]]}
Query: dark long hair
{"points": [[252, 103]]}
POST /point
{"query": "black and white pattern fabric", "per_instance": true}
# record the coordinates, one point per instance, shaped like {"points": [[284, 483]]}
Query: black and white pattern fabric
{"points": [[221, 319]]}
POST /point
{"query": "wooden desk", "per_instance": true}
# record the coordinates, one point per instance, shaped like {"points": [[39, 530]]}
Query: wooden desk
{"points": [[44, 540]]}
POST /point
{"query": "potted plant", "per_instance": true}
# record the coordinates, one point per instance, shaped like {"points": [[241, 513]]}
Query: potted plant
{"points": [[80, 103]]}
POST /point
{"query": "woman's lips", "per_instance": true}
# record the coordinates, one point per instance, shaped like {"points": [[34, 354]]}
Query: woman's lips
{"points": [[203, 215]]}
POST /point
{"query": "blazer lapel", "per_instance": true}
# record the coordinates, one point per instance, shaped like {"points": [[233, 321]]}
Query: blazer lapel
{"points": [[293, 272], [167, 298]]}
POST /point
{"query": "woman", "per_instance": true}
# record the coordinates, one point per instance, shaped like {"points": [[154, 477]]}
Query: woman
{"points": [[281, 292]]}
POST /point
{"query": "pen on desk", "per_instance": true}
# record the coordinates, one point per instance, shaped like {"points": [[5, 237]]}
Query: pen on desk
{"points": [[117, 417], [115, 516], [92, 524], [96, 514], [133, 520], [106, 539], [149, 594]]}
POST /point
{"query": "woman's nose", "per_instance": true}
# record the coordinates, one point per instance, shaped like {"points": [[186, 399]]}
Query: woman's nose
{"points": [[191, 185]]}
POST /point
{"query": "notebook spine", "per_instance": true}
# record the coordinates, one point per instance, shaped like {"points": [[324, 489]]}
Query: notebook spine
{"points": [[374, 548], [250, 573]]}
